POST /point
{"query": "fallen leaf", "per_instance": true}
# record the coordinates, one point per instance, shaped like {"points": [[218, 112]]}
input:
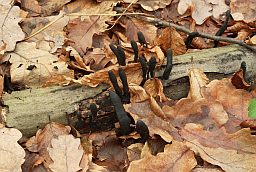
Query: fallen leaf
{"points": [[65, 153], [111, 155], [154, 4], [42, 140], [238, 80], [12, 154], [200, 10], [155, 124], [215, 147], [176, 157], [135, 25], [243, 10], [45, 67], [219, 7], [170, 38], [10, 31], [154, 88]]}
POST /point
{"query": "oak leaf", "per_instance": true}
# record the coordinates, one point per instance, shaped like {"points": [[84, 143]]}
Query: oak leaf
{"points": [[10, 30], [45, 67], [176, 157], [65, 153], [12, 154]]}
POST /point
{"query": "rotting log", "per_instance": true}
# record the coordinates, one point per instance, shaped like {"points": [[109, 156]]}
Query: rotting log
{"points": [[31, 109]]}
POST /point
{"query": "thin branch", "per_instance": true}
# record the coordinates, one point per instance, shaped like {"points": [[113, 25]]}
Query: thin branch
{"points": [[201, 34], [84, 14], [122, 14]]}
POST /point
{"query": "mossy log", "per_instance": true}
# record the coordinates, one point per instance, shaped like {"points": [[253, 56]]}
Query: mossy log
{"points": [[29, 110]]}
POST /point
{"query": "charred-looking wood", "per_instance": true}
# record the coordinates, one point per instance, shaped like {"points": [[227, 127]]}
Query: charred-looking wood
{"points": [[135, 49], [190, 38], [114, 82], [122, 116], [80, 123], [126, 93], [121, 56], [94, 111], [142, 39], [7, 84], [151, 67], [223, 27], [168, 68], [142, 129], [143, 63]]}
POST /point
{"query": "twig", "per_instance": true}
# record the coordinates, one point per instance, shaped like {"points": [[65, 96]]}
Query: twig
{"points": [[84, 14], [200, 34], [122, 14]]}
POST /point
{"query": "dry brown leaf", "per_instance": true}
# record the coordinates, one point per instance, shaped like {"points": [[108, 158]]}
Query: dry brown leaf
{"points": [[210, 114], [238, 80], [47, 67], [81, 33], [153, 5], [252, 40], [134, 151], [176, 157], [138, 93], [32, 6], [197, 80], [207, 169], [155, 124], [170, 38], [50, 6], [215, 147], [234, 101], [154, 88], [243, 10], [12, 154], [110, 154], [42, 140], [10, 30], [65, 153], [54, 34], [199, 8], [133, 73], [134, 25], [219, 7]]}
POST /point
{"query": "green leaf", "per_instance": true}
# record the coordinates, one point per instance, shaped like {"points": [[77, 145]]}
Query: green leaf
{"points": [[252, 109]]}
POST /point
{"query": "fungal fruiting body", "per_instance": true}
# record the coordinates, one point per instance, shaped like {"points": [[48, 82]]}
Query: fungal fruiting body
{"points": [[135, 50], [168, 68]]}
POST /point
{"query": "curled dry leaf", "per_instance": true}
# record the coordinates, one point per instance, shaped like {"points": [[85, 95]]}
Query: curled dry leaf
{"points": [[170, 38], [46, 67], [176, 157], [215, 147], [238, 80], [154, 88], [138, 93], [10, 31], [197, 80], [12, 154], [66, 153]]}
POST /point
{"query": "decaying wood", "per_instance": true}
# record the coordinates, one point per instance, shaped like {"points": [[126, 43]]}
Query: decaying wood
{"points": [[31, 109]]}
